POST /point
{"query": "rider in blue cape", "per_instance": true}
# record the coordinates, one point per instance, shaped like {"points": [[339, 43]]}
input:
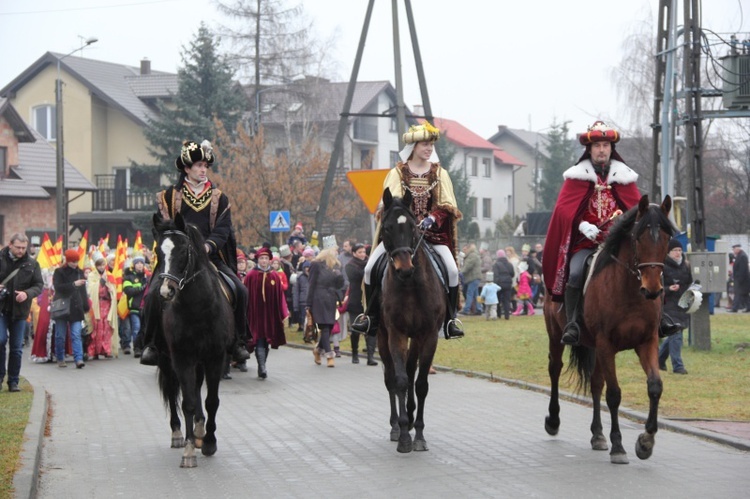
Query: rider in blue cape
{"points": [[434, 205]]}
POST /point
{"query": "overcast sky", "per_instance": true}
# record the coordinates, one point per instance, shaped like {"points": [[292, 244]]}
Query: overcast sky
{"points": [[488, 62]]}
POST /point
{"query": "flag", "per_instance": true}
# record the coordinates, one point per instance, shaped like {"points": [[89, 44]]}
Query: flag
{"points": [[138, 244], [45, 253], [104, 244], [117, 272], [82, 249], [57, 252]]}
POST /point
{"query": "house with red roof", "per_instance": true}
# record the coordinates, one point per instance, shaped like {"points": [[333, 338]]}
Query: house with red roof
{"points": [[490, 170]]}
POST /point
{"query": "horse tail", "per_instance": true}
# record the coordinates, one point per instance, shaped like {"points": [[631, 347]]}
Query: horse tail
{"points": [[582, 360], [169, 385]]}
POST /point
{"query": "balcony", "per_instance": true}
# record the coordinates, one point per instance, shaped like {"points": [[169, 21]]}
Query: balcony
{"points": [[113, 195]]}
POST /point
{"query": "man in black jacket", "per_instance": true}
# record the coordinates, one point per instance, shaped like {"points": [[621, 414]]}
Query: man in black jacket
{"points": [[741, 276], [201, 204], [21, 281]]}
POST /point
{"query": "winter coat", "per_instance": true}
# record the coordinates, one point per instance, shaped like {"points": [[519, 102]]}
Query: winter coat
{"points": [[324, 292], [741, 274], [676, 273], [28, 279], [355, 271], [504, 273], [134, 286], [299, 291], [62, 281], [472, 269]]}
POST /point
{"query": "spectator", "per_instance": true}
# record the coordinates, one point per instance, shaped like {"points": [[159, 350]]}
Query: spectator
{"points": [[677, 279], [299, 293], [525, 306], [489, 296], [20, 282], [472, 275], [504, 277], [69, 283], [326, 283], [134, 286], [741, 276], [355, 271], [297, 235]]}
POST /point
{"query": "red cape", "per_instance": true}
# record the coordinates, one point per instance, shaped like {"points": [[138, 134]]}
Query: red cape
{"points": [[563, 228], [266, 308]]}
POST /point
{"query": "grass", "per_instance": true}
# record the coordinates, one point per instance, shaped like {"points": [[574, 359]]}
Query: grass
{"points": [[14, 414], [716, 387]]}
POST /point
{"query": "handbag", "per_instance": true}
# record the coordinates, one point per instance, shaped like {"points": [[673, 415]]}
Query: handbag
{"points": [[60, 308]]}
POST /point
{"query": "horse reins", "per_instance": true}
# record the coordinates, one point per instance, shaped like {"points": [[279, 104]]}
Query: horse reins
{"points": [[636, 269], [185, 280]]}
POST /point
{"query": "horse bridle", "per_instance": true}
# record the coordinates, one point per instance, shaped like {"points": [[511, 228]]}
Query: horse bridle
{"points": [[184, 280], [635, 270], [408, 249]]}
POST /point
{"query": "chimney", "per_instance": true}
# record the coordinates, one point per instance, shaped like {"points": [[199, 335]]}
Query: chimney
{"points": [[145, 66]]}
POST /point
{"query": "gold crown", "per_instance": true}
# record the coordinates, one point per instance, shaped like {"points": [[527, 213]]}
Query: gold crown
{"points": [[421, 133]]}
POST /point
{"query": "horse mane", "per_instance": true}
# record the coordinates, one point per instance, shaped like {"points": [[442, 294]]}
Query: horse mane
{"points": [[623, 228]]}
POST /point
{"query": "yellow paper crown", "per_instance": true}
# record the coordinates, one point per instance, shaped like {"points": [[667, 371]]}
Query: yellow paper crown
{"points": [[421, 133]]}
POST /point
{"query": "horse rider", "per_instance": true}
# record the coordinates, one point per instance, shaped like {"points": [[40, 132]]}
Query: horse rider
{"points": [[200, 203], [434, 205], [594, 191]]}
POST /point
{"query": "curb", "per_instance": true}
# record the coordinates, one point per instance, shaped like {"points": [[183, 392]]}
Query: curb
{"points": [[26, 478]]}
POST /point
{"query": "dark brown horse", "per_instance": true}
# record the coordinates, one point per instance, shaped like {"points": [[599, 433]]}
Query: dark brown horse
{"points": [[621, 311], [413, 307], [192, 323]]}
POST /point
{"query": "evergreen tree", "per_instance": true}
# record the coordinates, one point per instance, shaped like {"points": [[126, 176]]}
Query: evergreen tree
{"points": [[461, 186], [206, 92], [562, 153]]}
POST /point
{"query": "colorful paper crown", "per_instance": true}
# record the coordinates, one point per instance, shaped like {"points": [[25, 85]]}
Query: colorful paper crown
{"points": [[421, 133], [191, 153], [599, 132]]}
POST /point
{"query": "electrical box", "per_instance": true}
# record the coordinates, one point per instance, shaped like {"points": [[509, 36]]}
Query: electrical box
{"points": [[736, 81], [710, 268]]}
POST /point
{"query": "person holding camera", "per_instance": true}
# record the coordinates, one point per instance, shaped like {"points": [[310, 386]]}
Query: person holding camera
{"points": [[20, 282]]}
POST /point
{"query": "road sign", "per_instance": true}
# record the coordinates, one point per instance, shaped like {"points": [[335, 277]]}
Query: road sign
{"points": [[279, 221], [369, 186]]}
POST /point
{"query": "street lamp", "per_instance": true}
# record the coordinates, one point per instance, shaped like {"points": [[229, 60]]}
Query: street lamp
{"points": [[62, 195]]}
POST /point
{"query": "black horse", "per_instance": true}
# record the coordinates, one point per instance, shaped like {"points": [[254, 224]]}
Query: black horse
{"points": [[413, 307], [192, 322]]}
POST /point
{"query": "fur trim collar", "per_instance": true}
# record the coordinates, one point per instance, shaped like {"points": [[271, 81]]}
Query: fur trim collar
{"points": [[619, 172]]}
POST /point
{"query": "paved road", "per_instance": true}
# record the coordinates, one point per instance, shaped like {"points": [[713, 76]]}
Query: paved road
{"points": [[310, 431]]}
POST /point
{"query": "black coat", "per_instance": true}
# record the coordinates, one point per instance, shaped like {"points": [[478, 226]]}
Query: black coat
{"points": [[355, 272], [62, 281], [28, 279], [741, 274], [324, 292], [504, 272], [676, 273]]}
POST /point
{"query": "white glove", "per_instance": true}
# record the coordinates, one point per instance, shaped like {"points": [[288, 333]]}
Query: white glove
{"points": [[589, 230]]}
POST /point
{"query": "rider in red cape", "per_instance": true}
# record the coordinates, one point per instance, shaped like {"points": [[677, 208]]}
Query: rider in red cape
{"points": [[594, 190], [266, 309]]}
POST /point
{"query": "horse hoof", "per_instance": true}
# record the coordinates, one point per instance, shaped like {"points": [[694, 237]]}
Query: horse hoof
{"points": [[420, 445], [189, 462], [178, 443], [618, 458], [404, 447], [599, 443], [198, 443], [208, 449], [644, 446], [550, 428], [395, 434]]}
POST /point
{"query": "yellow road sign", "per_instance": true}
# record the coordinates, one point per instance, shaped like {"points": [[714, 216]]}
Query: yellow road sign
{"points": [[369, 186]]}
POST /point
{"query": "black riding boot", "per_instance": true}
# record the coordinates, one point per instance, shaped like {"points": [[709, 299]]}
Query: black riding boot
{"points": [[452, 326], [150, 355], [261, 354], [355, 348], [371, 342], [572, 332], [367, 323], [239, 351]]}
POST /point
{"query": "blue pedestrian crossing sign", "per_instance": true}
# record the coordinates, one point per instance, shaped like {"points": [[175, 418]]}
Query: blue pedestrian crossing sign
{"points": [[279, 221]]}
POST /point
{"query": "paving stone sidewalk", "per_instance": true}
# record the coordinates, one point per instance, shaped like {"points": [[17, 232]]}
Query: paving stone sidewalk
{"points": [[311, 431]]}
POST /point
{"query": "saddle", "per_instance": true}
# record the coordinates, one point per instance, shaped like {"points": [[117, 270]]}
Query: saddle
{"points": [[227, 286], [588, 268]]}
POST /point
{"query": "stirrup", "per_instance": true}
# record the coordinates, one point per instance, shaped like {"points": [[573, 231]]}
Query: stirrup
{"points": [[572, 334], [456, 323]]}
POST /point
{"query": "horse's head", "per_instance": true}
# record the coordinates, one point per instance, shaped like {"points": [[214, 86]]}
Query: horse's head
{"points": [[398, 229], [179, 248], [650, 237]]}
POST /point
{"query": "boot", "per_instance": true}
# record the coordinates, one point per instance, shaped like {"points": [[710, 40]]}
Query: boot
{"points": [[330, 361], [355, 348], [337, 352], [316, 354], [150, 356], [452, 326], [367, 323], [531, 308], [261, 354], [519, 309], [371, 342], [572, 332]]}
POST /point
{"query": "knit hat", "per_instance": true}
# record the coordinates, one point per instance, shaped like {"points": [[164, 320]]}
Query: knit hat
{"points": [[674, 243], [71, 255], [308, 253], [139, 259], [298, 226], [191, 153], [489, 276], [241, 256], [500, 253], [284, 250]]}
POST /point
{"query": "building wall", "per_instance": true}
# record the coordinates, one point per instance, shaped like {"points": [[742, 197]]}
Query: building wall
{"points": [[498, 187], [21, 215], [523, 179]]}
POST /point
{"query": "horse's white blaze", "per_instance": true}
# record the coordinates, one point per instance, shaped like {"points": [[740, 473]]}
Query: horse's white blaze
{"points": [[401, 219], [166, 248]]}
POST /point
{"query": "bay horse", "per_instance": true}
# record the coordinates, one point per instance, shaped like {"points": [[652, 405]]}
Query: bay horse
{"points": [[192, 323], [621, 311], [413, 307]]}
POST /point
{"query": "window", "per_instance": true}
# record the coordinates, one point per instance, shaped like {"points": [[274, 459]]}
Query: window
{"points": [[393, 127], [486, 164], [487, 208], [45, 121], [3, 160], [395, 158], [474, 172], [473, 207]]}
